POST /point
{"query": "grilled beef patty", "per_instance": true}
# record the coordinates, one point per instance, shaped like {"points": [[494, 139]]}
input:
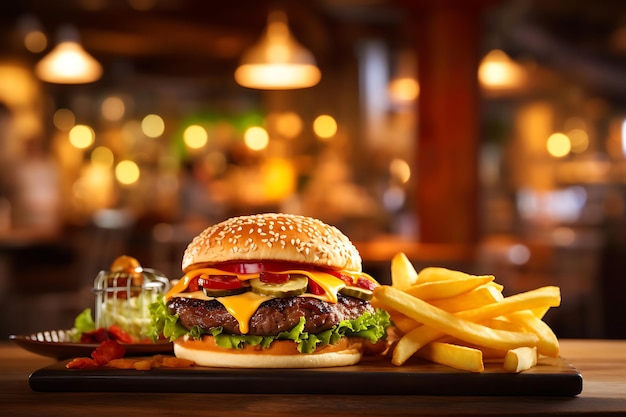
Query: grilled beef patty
{"points": [[272, 317]]}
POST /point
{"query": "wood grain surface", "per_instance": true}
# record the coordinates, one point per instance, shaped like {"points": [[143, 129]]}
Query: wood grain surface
{"points": [[601, 362]]}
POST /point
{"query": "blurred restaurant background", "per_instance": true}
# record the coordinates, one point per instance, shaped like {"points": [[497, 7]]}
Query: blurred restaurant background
{"points": [[482, 135]]}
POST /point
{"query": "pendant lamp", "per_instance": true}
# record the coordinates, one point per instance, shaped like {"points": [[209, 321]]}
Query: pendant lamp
{"points": [[277, 61], [68, 62]]}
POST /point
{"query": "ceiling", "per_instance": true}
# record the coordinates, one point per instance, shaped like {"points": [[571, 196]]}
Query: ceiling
{"points": [[583, 39], [196, 37]]}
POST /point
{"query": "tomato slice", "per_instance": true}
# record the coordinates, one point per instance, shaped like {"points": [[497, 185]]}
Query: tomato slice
{"points": [[345, 278], [359, 282], [254, 267], [193, 285], [315, 288], [365, 283], [219, 282], [273, 278]]}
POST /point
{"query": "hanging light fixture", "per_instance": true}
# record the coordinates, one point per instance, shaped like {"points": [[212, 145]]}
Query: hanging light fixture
{"points": [[68, 62], [277, 61]]}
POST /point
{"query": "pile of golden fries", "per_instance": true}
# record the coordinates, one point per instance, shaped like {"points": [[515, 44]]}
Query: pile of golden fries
{"points": [[461, 320]]}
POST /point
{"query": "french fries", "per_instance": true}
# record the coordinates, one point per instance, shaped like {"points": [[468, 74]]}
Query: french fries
{"points": [[145, 364], [459, 320], [480, 296], [435, 273], [548, 343], [452, 325], [403, 274], [455, 356], [447, 288], [520, 359]]}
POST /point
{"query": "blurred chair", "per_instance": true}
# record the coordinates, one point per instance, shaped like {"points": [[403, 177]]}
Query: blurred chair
{"points": [[44, 286], [51, 285]]}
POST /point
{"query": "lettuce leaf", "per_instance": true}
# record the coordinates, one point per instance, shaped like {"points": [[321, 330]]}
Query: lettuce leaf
{"points": [[371, 326], [83, 323], [163, 324]]}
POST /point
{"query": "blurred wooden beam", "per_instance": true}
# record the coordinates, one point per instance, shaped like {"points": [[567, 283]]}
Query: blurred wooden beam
{"points": [[446, 36]]}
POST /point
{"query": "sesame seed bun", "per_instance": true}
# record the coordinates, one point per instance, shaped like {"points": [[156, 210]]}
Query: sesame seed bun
{"points": [[276, 237]]}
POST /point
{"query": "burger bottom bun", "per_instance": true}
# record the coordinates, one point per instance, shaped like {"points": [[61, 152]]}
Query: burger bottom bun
{"points": [[281, 354]]}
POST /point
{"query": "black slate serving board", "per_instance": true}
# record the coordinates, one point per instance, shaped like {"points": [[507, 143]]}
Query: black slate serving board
{"points": [[551, 377]]}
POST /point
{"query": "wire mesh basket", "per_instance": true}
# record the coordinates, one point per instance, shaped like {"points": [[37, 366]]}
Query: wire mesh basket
{"points": [[123, 296]]}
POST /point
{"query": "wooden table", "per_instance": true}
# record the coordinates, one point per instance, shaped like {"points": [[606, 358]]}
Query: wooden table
{"points": [[601, 362]]}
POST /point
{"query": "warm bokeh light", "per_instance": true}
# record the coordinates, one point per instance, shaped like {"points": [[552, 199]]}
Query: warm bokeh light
{"points": [[279, 179], [94, 189], [195, 136], [256, 138], [102, 156], [35, 41], [498, 71], [288, 124], [404, 90], [63, 119], [113, 108], [400, 170], [153, 126], [127, 172], [558, 145], [579, 140], [624, 137], [21, 92], [82, 136], [325, 126]]}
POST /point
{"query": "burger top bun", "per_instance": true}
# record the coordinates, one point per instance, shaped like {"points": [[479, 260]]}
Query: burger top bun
{"points": [[276, 237]]}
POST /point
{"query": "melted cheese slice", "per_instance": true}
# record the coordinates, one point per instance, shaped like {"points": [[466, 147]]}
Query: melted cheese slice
{"points": [[243, 306]]}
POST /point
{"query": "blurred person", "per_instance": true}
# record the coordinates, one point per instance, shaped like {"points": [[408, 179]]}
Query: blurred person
{"points": [[34, 191]]}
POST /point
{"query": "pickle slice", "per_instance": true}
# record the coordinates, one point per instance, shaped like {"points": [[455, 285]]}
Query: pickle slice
{"points": [[357, 292], [224, 292], [296, 285]]}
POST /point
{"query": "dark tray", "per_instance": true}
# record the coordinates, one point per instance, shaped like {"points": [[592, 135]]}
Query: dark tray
{"points": [[551, 377]]}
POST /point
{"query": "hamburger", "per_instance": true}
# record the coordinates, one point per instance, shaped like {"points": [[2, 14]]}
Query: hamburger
{"points": [[271, 291]]}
